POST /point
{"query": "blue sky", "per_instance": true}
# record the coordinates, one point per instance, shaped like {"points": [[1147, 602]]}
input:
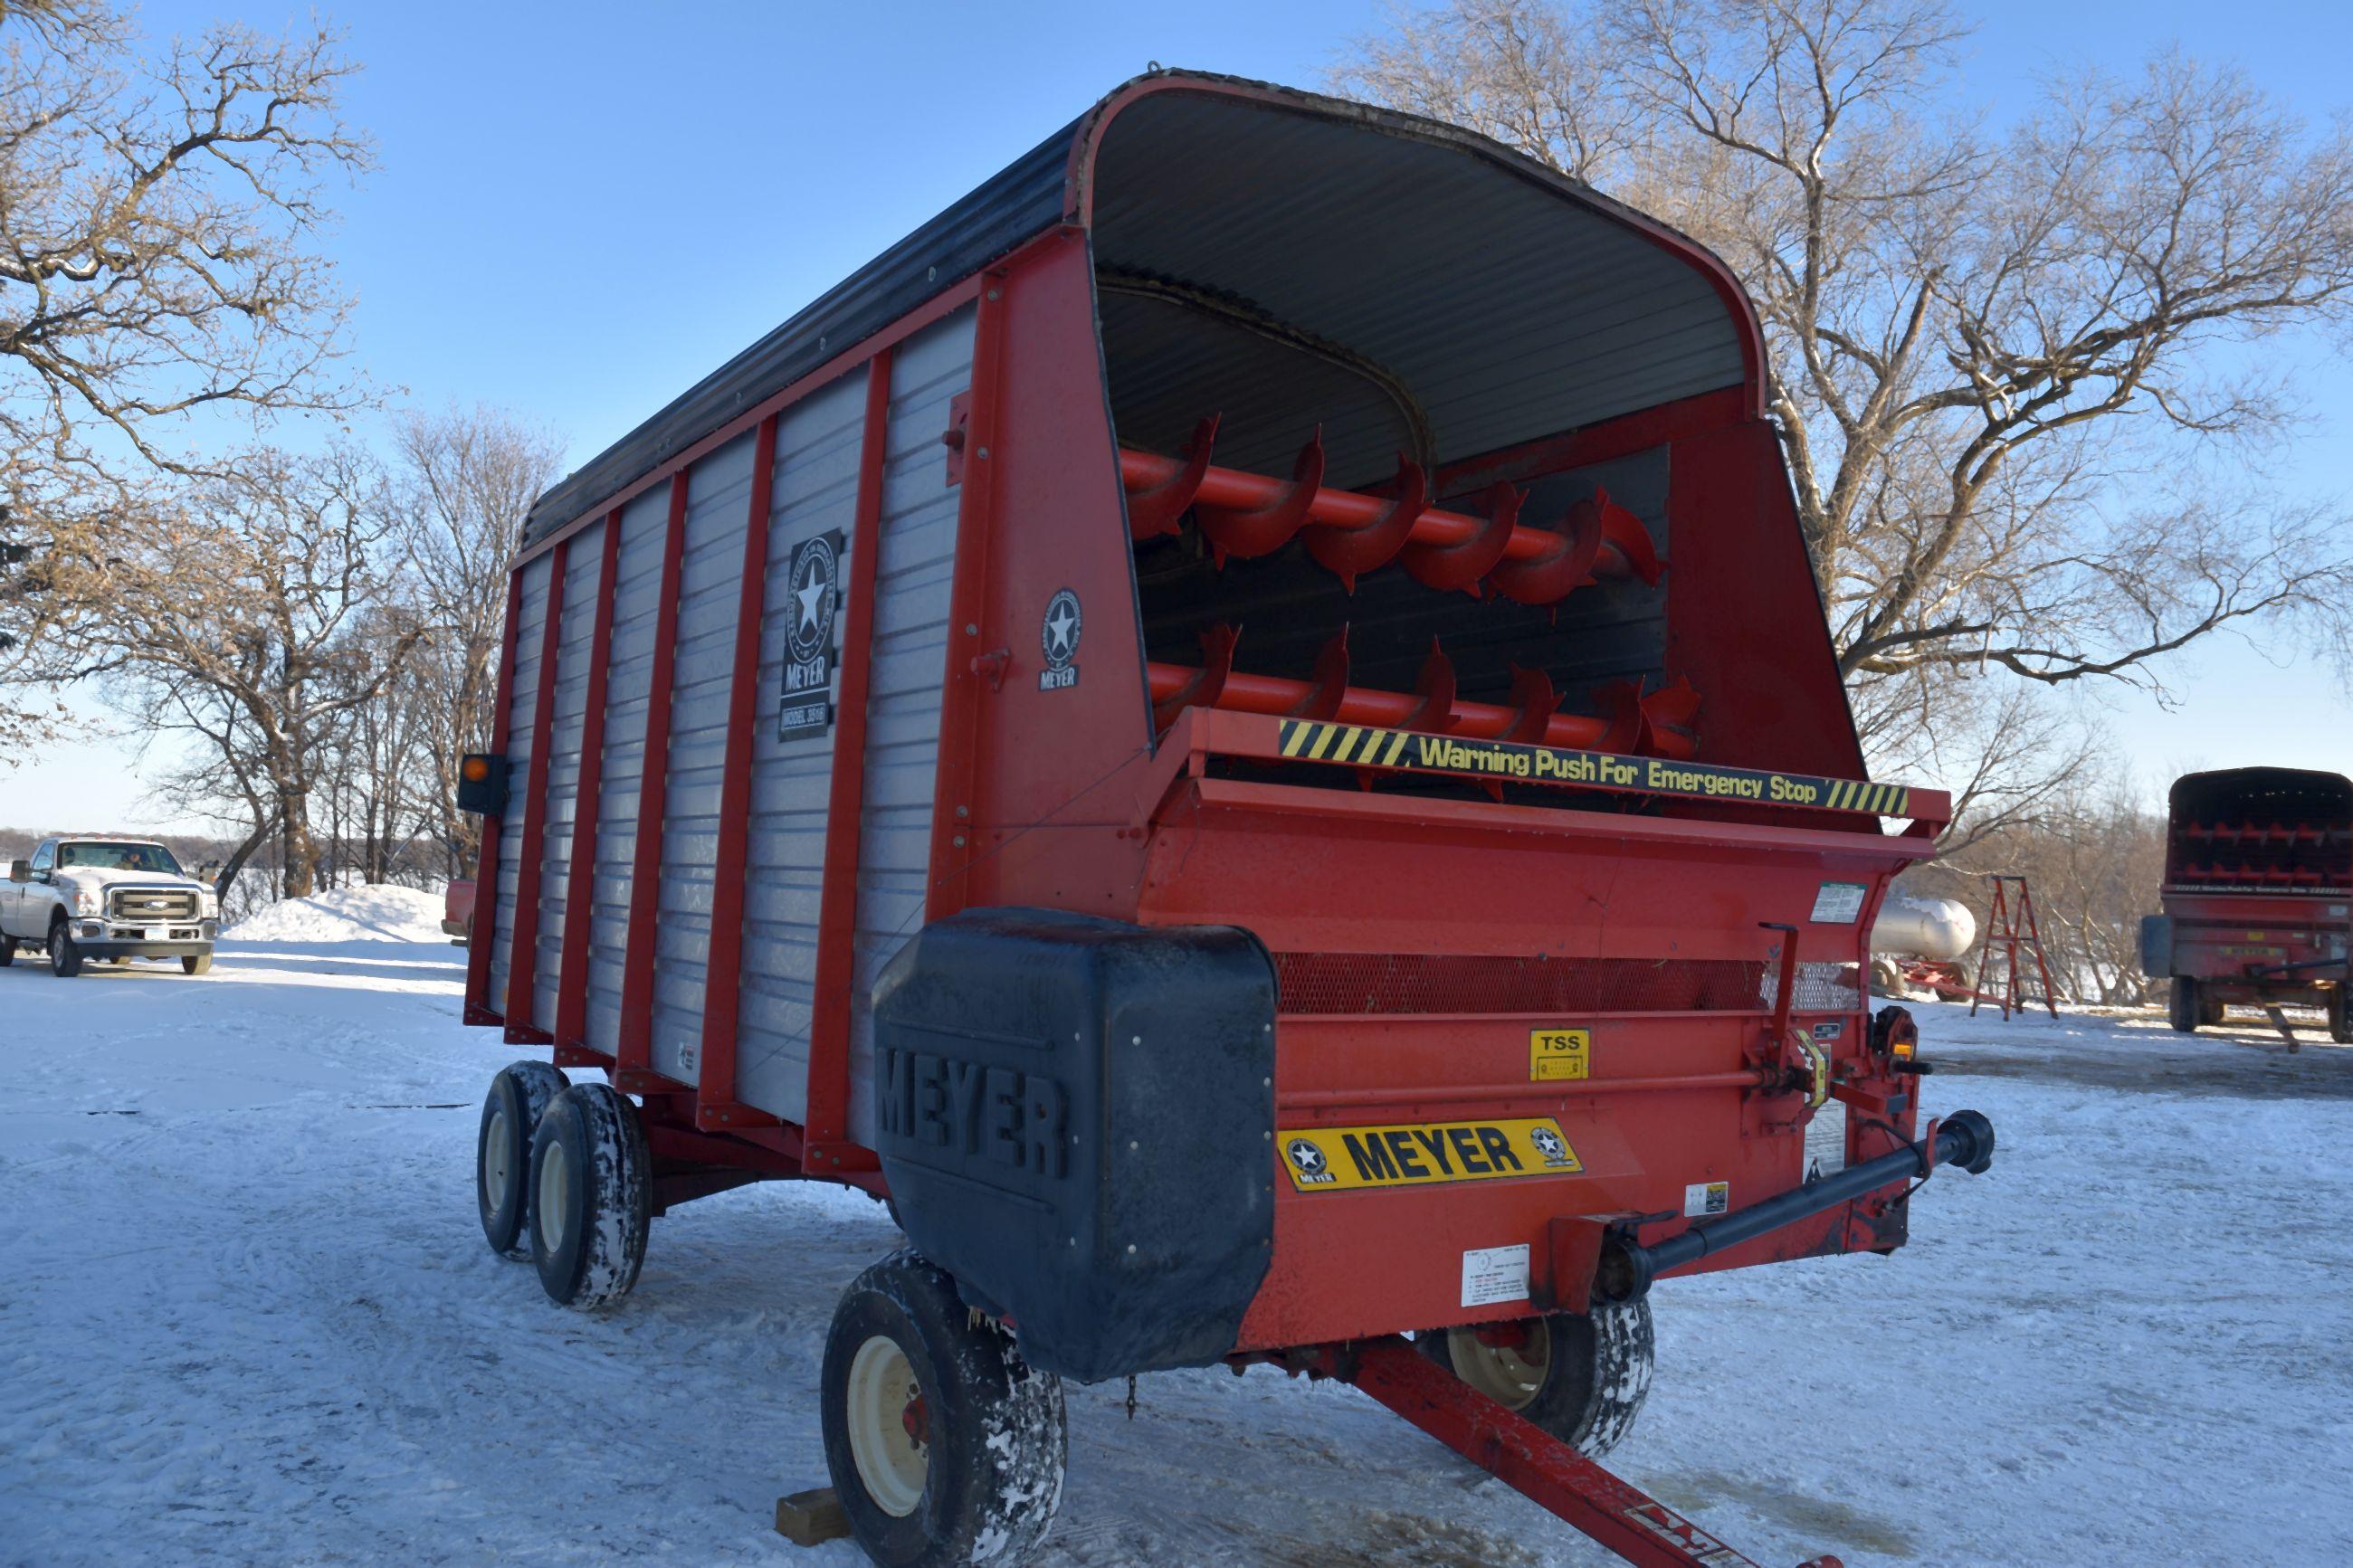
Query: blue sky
{"points": [[581, 208]]}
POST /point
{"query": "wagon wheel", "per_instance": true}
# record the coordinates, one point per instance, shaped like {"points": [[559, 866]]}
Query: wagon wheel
{"points": [[2182, 1008], [591, 1196], [520, 1095], [2340, 1015], [942, 1441], [1581, 1378]]}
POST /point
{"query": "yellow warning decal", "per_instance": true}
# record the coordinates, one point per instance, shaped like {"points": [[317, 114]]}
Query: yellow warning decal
{"points": [[1557, 1054], [1342, 1159], [1363, 746]]}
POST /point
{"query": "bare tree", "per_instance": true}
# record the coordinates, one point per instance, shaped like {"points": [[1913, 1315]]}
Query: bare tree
{"points": [[160, 216], [2001, 363], [463, 481], [255, 616]]}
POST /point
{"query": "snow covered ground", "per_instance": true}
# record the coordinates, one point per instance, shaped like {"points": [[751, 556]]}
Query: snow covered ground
{"points": [[246, 1316]]}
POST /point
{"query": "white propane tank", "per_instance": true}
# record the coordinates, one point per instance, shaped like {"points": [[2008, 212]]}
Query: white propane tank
{"points": [[1940, 929]]}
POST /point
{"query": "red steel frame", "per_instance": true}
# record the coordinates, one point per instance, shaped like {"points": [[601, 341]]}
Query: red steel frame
{"points": [[827, 1127], [486, 854], [523, 945], [716, 1105], [633, 1060], [580, 881]]}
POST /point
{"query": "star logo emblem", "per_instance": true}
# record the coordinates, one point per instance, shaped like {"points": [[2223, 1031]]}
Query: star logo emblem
{"points": [[1064, 624]]}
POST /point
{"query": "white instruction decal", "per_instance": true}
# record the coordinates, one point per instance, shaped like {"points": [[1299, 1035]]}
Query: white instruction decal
{"points": [[1704, 1198], [1826, 1141], [1494, 1274], [1837, 903]]}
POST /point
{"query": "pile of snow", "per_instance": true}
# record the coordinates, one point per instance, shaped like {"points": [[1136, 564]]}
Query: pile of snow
{"points": [[347, 914]]}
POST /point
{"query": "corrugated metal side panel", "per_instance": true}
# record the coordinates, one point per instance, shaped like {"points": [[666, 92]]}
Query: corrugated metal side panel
{"points": [[636, 585], [574, 635], [523, 704], [718, 496], [1018, 202], [914, 574], [815, 491]]}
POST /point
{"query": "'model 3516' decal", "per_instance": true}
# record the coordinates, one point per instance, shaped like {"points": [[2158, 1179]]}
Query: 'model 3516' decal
{"points": [[1338, 1159], [1317, 741]]}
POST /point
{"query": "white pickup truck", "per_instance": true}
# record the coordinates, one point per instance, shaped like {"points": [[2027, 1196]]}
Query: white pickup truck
{"points": [[94, 897]]}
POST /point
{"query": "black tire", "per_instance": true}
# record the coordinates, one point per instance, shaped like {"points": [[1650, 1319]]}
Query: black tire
{"points": [[64, 953], [985, 1430], [195, 963], [7, 950], [2340, 1016], [519, 1097], [2182, 1009], [1582, 1379], [589, 1168]]}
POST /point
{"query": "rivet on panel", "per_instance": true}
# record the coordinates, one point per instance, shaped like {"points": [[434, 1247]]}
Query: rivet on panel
{"points": [[971, 631], [959, 840], [1131, 1247], [995, 295]]}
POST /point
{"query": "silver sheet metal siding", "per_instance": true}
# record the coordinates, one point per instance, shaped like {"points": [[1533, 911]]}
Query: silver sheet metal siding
{"points": [[719, 493], [913, 569], [1510, 311], [576, 634], [815, 491], [637, 586], [523, 703]]}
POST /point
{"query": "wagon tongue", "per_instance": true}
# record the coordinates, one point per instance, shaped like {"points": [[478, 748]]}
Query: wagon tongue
{"points": [[1637, 1527]]}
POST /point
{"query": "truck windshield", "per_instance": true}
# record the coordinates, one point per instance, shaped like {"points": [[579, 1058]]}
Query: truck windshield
{"points": [[120, 856]]}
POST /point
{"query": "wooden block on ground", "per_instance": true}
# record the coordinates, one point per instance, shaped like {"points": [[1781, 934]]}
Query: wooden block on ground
{"points": [[810, 1518]]}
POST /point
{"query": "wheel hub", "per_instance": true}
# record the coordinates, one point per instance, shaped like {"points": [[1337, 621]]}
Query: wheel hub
{"points": [[889, 1423], [1510, 1374], [554, 1193]]}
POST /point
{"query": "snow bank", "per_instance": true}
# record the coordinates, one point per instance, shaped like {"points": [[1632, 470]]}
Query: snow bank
{"points": [[347, 914]]}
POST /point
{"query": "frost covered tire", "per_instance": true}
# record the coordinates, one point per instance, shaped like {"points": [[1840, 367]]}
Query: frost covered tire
{"points": [[591, 1196], [2182, 1009], [1581, 1378], [945, 1447], [519, 1097], [64, 953]]}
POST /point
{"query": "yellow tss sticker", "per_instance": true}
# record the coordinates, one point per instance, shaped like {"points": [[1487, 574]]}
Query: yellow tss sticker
{"points": [[1556, 1054], [1338, 1159]]}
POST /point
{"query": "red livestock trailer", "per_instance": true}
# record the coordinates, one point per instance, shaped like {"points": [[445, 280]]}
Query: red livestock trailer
{"points": [[1241, 726], [2258, 885]]}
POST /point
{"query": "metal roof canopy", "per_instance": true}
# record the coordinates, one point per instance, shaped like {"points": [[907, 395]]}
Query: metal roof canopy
{"points": [[1511, 301]]}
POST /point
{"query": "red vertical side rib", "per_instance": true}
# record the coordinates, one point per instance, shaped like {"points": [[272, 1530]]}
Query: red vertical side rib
{"points": [[522, 952], [580, 881], [485, 929], [952, 843], [633, 1066], [837, 936], [723, 975]]}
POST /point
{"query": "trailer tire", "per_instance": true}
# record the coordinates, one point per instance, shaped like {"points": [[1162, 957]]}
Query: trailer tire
{"points": [[1584, 1384], [520, 1095], [945, 1447], [2340, 1016], [591, 1196], [2182, 1009]]}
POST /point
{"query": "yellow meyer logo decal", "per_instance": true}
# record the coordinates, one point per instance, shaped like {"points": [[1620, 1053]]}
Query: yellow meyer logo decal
{"points": [[1342, 1159], [1360, 746]]}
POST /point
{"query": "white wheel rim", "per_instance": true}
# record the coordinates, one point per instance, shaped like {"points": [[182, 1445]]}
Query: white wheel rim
{"points": [[554, 1193], [1510, 1375], [892, 1464], [495, 1159]]}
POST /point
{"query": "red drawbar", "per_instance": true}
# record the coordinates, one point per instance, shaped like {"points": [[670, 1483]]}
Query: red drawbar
{"points": [[633, 1063], [836, 941], [522, 952], [479, 941], [723, 976], [580, 881]]}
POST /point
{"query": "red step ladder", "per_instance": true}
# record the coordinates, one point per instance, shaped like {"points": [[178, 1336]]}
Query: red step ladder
{"points": [[2009, 926]]}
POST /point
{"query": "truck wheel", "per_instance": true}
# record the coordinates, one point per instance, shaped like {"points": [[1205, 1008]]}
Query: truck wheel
{"points": [[591, 1196], [7, 950], [2340, 1016], [1581, 1378], [2182, 1009], [519, 1097], [944, 1445], [65, 954], [195, 963]]}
